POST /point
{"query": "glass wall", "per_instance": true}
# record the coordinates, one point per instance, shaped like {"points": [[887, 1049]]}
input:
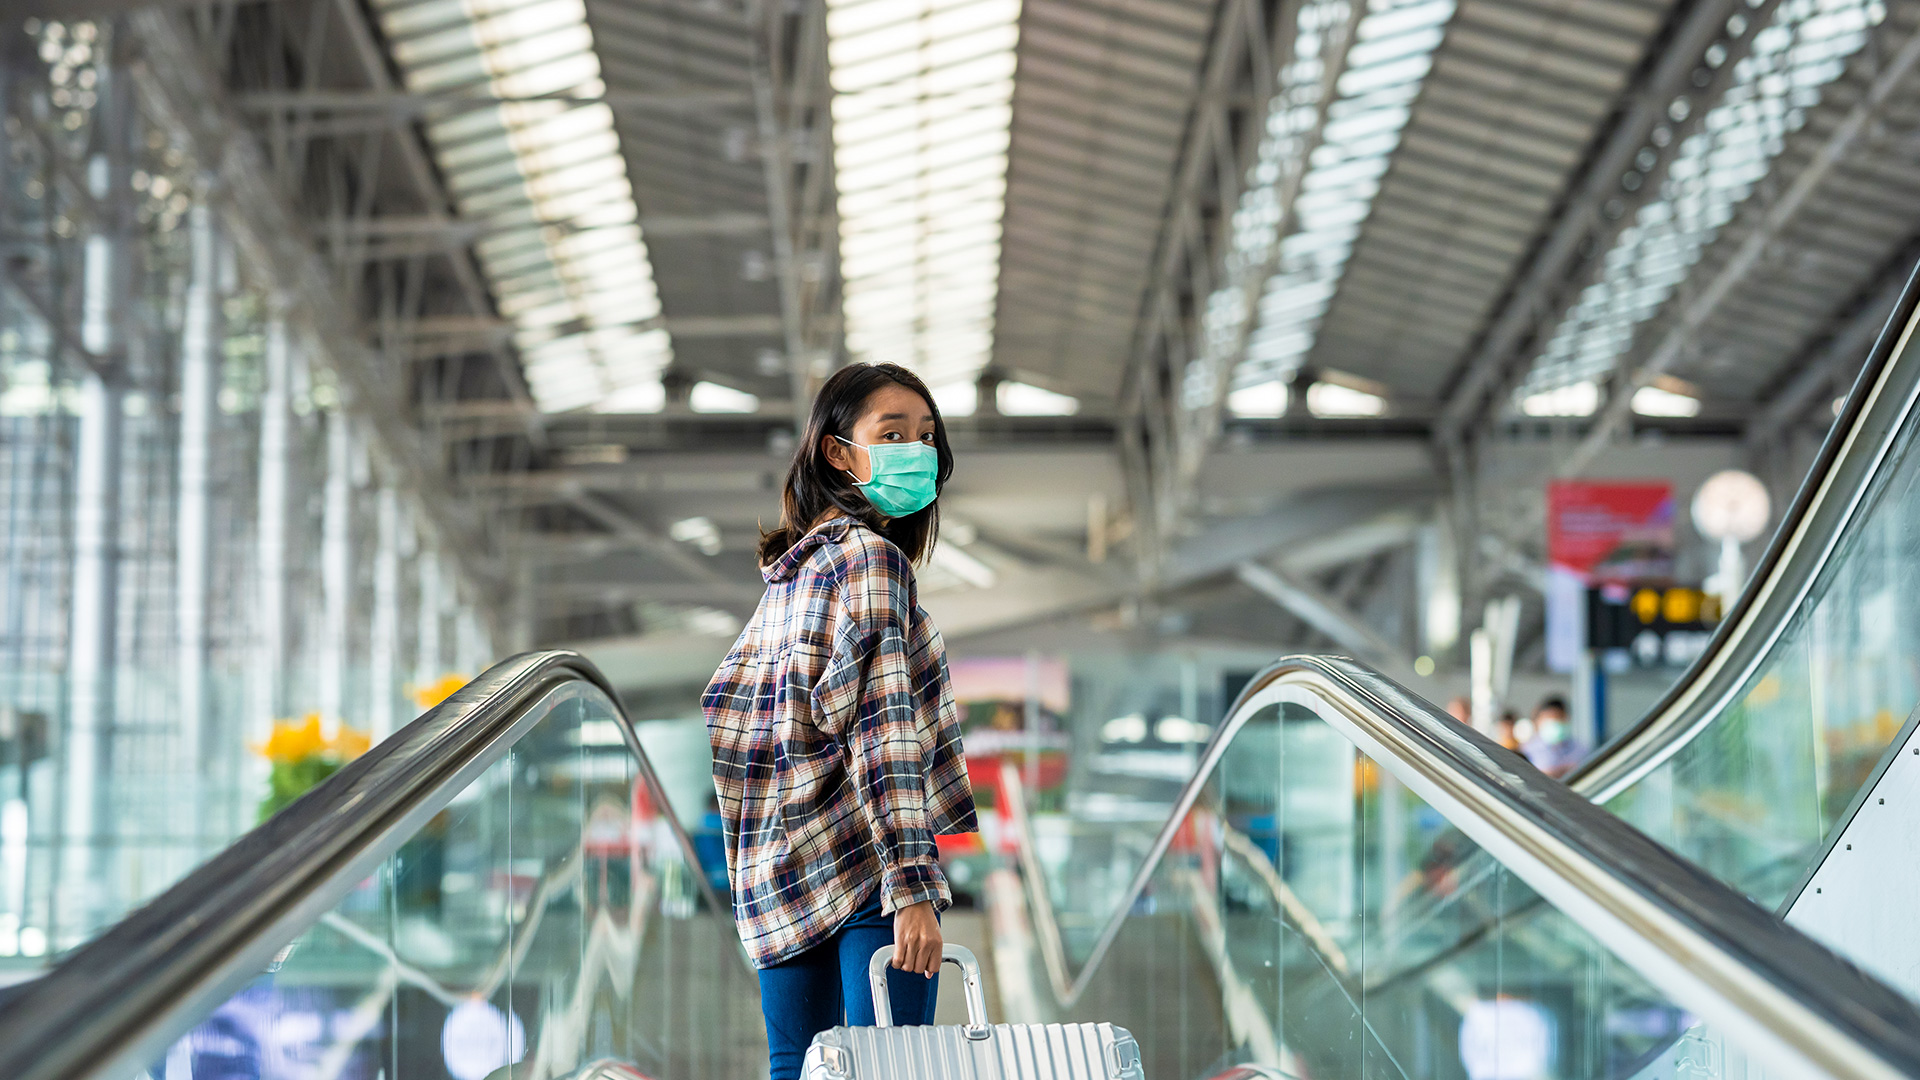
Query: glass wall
{"points": [[198, 536], [1315, 917], [546, 918], [1753, 797]]}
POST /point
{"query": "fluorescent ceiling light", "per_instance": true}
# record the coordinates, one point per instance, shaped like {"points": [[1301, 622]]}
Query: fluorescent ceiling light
{"points": [[599, 733], [923, 101], [1262, 399], [700, 532], [1392, 52], [1657, 401], [1332, 399], [1578, 399], [562, 250], [964, 565], [1715, 170], [956, 399], [1024, 399], [707, 397]]}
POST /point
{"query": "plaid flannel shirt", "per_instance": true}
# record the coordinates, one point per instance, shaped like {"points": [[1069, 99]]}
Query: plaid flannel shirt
{"points": [[836, 745]]}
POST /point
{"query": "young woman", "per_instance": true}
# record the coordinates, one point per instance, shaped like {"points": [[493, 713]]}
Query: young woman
{"points": [[836, 747]]}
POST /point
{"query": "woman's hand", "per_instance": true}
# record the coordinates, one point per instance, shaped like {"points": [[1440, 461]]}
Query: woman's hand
{"points": [[916, 939]]}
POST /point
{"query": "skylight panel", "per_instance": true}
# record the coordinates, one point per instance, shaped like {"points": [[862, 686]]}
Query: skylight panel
{"points": [[1333, 400], [1023, 399], [1574, 399], [1715, 170], [564, 253], [707, 397], [1389, 60], [1267, 399], [921, 116]]}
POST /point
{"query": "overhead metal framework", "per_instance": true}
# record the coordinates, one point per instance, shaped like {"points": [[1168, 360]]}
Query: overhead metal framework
{"points": [[580, 234]]}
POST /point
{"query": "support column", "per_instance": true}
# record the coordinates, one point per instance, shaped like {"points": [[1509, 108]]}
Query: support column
{"points": [[199, 378], [276, 447], [427, 662], [526, 611], [471, 645], [81, 888], [336, 571], [383, 666]]}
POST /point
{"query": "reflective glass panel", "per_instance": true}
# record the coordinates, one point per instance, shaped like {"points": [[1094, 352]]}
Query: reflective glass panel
{"points": [[546, 918]]}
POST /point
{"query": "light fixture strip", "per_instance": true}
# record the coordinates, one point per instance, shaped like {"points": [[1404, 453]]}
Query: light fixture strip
{"points": [[563, 252], [1716, 169], [922, 113], [1391, 54]]}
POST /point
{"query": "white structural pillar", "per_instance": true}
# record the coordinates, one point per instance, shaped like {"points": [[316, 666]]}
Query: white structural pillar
{"points": [[336, 571], [383, 667], [276, 455], [471, 645], [428, 665], [90, 649], [199, 379]]}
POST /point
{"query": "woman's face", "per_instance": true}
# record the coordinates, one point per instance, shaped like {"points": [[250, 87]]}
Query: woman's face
{"points": [[891, 414]]}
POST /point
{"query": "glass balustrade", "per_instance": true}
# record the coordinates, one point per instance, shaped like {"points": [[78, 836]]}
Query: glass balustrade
{"points": [[1313, 915], [546, 918], [1753, 796]]}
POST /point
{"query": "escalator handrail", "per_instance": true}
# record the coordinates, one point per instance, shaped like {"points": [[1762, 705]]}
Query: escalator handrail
{"points": [[114, 1002], [1742, 966], [1878, 409]]}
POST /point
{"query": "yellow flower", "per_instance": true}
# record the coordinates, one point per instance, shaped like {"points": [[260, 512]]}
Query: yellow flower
{"points": [[438, 691], [292, 741], [350, 744]]}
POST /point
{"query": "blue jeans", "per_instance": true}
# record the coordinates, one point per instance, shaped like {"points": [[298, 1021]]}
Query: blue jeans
{"points": [[804, 996]]}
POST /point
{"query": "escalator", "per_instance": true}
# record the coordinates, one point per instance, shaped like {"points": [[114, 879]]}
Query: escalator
{"points": [[500, 892], [1350, 884], [1354, 916], [500, 889]]}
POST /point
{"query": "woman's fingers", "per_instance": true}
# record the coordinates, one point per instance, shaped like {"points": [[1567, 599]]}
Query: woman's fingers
{"points": [[916, 938]]}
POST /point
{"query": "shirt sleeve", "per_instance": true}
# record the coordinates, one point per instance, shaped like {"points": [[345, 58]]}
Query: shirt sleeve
{"points": [[865, 699]]}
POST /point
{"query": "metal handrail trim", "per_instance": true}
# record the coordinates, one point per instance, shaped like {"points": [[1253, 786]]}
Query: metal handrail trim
{"points": [[1733, 962], [1880, 406], [113, 1003]]}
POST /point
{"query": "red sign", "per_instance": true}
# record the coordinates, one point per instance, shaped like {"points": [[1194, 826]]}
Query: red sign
{"points": [[1614, 530]]}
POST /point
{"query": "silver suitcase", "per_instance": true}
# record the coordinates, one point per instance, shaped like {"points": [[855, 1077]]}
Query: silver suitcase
{"points": [[974, 1051]]}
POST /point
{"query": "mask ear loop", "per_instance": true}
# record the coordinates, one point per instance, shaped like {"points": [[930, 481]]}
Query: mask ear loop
{"points": [[857, 482]]}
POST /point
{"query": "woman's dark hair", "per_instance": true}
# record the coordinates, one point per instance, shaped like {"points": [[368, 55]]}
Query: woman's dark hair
{"points": [[814, 487]]}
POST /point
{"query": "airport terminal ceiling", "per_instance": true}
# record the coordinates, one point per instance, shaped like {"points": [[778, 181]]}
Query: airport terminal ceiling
{"points": [[1245, 312]]}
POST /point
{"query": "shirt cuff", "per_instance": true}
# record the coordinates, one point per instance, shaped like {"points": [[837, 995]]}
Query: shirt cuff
{"points": [[912, 883]]}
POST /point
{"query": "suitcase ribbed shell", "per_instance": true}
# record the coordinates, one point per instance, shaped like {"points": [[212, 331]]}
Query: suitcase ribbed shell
{"points": [[1010, 1052]]}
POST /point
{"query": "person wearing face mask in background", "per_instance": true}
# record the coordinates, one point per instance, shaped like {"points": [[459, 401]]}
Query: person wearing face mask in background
{"points": [[1552, 748], [836, 742]]}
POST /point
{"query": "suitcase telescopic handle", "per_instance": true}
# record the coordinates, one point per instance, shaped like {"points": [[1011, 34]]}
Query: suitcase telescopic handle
{"points": [[977, 1026]]}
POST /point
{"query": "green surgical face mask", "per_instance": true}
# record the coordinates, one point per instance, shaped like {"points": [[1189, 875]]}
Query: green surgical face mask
{"points": [[904, 476]]}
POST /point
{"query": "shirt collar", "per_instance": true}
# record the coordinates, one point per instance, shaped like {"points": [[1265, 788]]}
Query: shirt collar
{"points": [[830, 531]]}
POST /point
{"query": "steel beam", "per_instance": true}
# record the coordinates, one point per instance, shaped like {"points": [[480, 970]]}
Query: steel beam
{"points": [[200, 339], [402, 107], [1227, 305], [383, 659], [86, 827], [1693, 316], [336, 570], [623, 526], [417, 164], [271, 583], [1324, 613], [459, 231], [186, 98], [691, 326], [1825, 369], [1599, 205]]}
